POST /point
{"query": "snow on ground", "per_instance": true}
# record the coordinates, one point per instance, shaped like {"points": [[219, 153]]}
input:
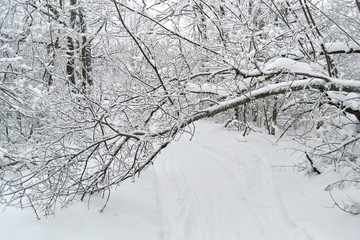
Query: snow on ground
{"points": [[219, 185]]}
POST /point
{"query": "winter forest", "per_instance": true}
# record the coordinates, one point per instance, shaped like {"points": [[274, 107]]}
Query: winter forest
{"points": [[93, 92]]}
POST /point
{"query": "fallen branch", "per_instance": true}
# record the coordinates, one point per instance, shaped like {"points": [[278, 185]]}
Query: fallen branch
{"points": [[314, 169]]}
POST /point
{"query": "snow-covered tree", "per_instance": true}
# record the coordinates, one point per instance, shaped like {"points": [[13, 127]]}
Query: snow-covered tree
{"points": [[92, 92]]}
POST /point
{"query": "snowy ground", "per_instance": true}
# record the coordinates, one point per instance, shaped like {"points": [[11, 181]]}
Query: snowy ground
{"points": [[219, 185]]}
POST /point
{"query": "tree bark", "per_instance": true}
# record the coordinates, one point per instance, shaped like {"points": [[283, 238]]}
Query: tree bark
{"points": [[85, 51], [70, 65]]}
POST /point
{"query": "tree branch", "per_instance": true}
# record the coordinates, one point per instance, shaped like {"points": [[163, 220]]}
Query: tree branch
{"points": [[143, 53]]}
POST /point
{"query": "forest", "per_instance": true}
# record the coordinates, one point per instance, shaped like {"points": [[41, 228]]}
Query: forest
{"points": [[91, 92]]}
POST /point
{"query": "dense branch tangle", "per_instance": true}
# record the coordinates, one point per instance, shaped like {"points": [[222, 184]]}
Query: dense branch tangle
{"points": [[140, 99]]}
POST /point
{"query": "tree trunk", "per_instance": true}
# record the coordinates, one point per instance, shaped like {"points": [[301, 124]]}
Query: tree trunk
{"points": [[70, 65], [85, 52]]}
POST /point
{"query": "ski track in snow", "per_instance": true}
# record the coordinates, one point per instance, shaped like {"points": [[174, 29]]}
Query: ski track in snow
{"points": [[227, 194]]}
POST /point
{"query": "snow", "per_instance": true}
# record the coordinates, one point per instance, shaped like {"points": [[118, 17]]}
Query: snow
{"points": [[219, 185], [208, 88], [337, 46], [342, 46], [351, 100], [287, 63], [3, 151], [354, 46], [14, 59], [291, 65], [309, 70]]}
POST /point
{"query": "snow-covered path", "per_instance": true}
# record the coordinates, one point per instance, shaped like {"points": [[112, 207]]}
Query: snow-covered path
{"points": [[217, 186], [220, 187]]}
